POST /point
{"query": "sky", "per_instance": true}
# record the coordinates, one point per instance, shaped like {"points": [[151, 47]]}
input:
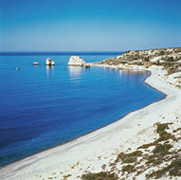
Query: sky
{"points": [[89, 25]]}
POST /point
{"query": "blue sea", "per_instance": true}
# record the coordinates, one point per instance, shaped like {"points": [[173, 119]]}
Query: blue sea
{"points": [[42, 107]]}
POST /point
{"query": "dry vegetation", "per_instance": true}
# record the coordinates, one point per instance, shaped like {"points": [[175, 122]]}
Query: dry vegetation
{"points": [[155, 160], [169, 59]]}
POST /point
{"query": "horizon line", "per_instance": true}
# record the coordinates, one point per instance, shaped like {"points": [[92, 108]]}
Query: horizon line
{"points": [[60, 53], [6, 53]]}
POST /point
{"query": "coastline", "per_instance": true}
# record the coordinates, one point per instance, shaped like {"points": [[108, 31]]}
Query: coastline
{"points": [[90, 152]]}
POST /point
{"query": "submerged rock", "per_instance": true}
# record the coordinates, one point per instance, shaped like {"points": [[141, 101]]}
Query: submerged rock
{"points": [[76, 61], [50, 62]]}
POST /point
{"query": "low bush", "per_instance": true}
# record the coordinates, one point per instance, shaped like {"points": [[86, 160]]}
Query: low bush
{"points": [[99, 176], [162, 149]]}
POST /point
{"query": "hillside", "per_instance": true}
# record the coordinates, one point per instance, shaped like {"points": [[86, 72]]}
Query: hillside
{"points": [[168, 59]]}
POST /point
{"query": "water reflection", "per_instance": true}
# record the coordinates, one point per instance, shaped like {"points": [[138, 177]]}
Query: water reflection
{"points": [[133, 74], [49, 71], [75, 72], [132, 71]]}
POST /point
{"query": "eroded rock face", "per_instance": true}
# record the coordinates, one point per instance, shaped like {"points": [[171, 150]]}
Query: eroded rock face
{"points": [[76, 61], [50, 62]]}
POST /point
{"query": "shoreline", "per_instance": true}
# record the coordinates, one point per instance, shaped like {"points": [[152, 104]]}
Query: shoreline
{"points": [[1, 167], [80, 154], [92, 130]]}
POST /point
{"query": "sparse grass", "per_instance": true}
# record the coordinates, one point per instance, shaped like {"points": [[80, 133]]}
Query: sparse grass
{"points": [[135, 153], [128, 158], [174, 169], [155, 160], [163, 134], [128, 168], [161, 127], [162, 52], [160, 154], [178, 129], [103, 166], [145, 146], [162, 149], [68, 175], [99, 176]]}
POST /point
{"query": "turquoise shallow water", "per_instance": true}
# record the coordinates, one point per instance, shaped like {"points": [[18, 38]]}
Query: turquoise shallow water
{"points": [[42, 107]]}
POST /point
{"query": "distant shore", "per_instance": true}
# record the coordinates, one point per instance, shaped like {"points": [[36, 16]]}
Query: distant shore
{"points": [[95, 152]]}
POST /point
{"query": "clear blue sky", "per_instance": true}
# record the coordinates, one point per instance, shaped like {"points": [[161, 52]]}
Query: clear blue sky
{"points": [[89, 25]]}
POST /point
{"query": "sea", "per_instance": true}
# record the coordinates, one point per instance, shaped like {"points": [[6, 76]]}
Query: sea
{"points": [[42, 107]]}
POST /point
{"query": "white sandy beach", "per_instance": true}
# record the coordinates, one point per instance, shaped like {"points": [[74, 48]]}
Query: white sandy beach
{"points": [[92, 151]]}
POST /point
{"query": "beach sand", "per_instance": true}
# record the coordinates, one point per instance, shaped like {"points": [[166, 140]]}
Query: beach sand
{"points": [[99, 148]]}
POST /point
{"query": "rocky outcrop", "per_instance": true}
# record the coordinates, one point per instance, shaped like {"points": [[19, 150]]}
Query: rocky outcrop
{"points": [[50, 62], [76, 61], [168, 58], [35, 63], [87, 65]]}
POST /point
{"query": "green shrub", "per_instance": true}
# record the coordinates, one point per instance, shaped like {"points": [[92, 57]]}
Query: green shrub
{"points": [[128, 168], [145, 146], [128, 158], [174, 169], [161, 127], [146, 59], [170, 59], [162, 149], [135, 153], [163, 135], [162, 52]]}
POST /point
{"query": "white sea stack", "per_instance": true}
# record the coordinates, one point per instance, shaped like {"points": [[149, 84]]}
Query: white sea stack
{"points": [[50, 62], [35, 63], [76, 61]]}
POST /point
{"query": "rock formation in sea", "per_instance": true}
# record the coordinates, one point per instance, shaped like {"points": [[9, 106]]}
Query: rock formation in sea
{"points": [[87, 65], [50, 62], [35, 63], [76, 61]]}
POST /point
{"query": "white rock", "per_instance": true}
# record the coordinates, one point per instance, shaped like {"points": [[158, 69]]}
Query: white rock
{"points": [[76, 61], [35, 63], [50, 62], [155, 59]]}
